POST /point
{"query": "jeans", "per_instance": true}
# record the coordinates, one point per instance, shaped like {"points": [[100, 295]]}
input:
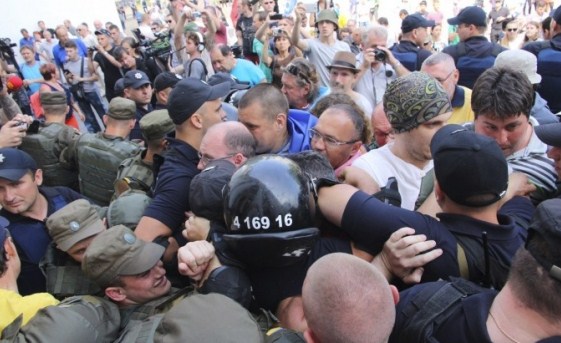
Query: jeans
{"points": [[92, 99]]}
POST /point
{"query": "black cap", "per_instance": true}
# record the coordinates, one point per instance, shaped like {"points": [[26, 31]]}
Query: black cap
{"points": [[550, 134], [470, 168], [166, 80], [102, 32], [189, 95], [205, 195], [414, 21], [222, 77], [557, 15], [547, 224], [135, 79], [14, 163], [119, 88], [473, 15]]}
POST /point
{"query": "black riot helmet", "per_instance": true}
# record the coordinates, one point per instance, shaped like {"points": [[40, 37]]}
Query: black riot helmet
{"points": [[267, 212]]}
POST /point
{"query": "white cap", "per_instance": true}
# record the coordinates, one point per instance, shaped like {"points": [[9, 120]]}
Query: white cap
{"points": [[520, 60]]}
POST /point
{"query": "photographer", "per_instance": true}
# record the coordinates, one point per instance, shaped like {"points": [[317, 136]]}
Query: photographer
{"points": [[377, 61], [83, 87], [130, 62], [283, 54], [104, 59]]}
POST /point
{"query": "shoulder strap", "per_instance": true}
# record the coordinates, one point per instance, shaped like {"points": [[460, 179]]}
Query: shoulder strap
{"points": [[82, 68], [462, 262], [191, 62]]}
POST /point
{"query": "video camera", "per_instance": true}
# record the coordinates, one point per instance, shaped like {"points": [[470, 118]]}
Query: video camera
{"points": [[159, 47]]}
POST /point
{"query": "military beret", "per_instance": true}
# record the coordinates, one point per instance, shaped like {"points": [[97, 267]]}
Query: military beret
{"points": [[156, 124]]}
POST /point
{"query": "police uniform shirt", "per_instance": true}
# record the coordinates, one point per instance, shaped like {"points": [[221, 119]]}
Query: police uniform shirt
{"points": [[369, 223], [408, 46], [171, 195]]}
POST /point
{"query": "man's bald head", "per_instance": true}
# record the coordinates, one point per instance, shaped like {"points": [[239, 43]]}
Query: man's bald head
{"points": [[381, 127], [347, 300]]}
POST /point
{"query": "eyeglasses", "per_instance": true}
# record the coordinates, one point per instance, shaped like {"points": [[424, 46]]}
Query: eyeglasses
{"points": [[446, 78], [295, 71], [328, 140], [511, 30], [206, 160]]}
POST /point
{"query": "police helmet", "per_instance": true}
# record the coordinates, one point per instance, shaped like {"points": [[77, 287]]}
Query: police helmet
{"points": [[267, 212]]}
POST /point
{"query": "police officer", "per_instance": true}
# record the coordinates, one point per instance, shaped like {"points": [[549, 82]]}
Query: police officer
{"points": [[98, 155], [72, 228], [136, 172], [53, 136], [409, 51], [138, 88], [26, 204]]}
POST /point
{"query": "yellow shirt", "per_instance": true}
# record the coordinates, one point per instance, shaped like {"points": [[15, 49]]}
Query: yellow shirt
{"points": [[12, 305], [461, 111]]}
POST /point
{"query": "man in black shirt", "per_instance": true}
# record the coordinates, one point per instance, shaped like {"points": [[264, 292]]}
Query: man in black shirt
{"points": [[105, 60]]}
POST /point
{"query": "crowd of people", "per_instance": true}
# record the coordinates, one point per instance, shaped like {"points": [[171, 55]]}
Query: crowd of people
{"points": [[315, 180]]}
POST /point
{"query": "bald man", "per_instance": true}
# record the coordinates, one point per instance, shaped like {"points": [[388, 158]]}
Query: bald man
{"points": [[347, 300], [381, 127]]}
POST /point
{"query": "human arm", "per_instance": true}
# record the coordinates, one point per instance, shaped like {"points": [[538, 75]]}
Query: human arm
{"points": [[266, 59], [261, 33], [404, 255], [12, 133], [400, 70], [211, 27], [197, 260], [296, 41], [9, 105], [108, 56]]}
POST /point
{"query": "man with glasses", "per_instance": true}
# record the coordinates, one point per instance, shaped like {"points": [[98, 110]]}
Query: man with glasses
{"points": [[193, 106], [474, 54], [300, 84], [441, 66], [264, 111], [339, 135], [416, 106]]}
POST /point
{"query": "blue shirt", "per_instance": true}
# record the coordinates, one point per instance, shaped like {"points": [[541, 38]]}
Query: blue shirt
{"points": [[247, 72], [29, 41], [59, 52], [31, 73]]}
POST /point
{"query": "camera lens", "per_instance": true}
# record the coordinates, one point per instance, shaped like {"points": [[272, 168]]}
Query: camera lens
{"points": [[380, 55]]}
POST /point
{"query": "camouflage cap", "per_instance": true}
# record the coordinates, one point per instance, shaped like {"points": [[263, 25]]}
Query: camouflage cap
{"points": [[413, 99], [156, 124], [127, 209], [187, 321], [73, 223], [52, 98], [121, 109], [117, 251]]}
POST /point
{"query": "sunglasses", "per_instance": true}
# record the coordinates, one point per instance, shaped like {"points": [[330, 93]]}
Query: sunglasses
{"points": [[512, 30], [295, 71]]}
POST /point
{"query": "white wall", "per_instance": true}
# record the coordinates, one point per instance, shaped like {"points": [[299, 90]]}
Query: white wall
{"points": [[18, 14]]}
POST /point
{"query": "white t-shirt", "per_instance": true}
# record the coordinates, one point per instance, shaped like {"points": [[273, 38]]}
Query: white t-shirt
{"points": [[381, 164]]}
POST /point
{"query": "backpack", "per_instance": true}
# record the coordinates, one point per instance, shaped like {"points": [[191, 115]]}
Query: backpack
{"points": [[187, 71], [431, 307], [549, 67], [471, 66]]}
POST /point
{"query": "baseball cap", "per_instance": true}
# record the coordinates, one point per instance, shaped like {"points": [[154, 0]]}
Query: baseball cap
{"points": [[205, 195], [190, 94], [156, 124], [135, 79], [14, 163], [166, 80], [470, 15], [127, 209], [413, 99], [550, 134], [52, 98], [520, 60], [102, 32], [470, 168], [119, 88], [546, 223], [121, 109], [222, 77], [4, 223], [344, 60], [557, 15], [73, 223], [414, 21], [117, 251]]}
